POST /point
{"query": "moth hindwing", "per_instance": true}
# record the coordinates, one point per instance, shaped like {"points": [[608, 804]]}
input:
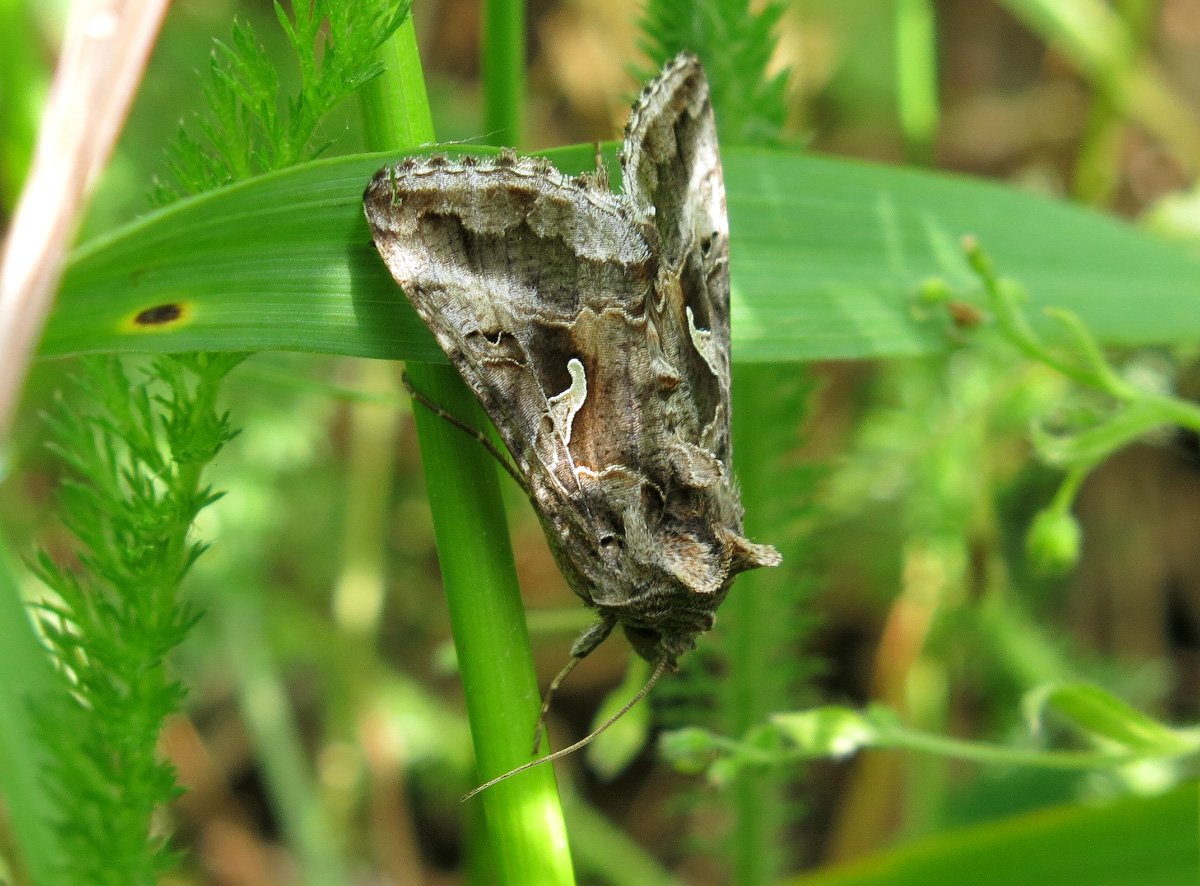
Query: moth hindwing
{"points": [[594, 329]]}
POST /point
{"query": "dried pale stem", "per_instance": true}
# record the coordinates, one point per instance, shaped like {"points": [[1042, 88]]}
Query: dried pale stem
{"points": [[103, 55]]}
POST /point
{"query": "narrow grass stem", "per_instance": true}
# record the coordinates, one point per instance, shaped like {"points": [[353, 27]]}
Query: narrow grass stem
{"points": [[525, 827]]}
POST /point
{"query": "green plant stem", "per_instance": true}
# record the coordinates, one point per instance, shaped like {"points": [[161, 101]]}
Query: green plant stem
{"points": [[1098, 166], [892, 736], [524, 818], [750, 622], [993, 755], [1145, 409], [373, 430], [503, 70], [395, 108], [24, 81], [1093, 36], [916, 77]]}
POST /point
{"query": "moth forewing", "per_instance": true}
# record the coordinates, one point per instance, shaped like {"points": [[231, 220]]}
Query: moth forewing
{"points": [[594, 329]]}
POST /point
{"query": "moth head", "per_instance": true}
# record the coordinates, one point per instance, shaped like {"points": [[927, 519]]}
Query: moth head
{"points": [[656, 645]]}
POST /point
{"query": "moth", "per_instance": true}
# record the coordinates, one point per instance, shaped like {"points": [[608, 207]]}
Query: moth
{"points": [[594, 329]]}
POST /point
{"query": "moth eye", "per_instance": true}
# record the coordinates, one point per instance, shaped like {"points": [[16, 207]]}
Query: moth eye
{"points": [[706, 243]]}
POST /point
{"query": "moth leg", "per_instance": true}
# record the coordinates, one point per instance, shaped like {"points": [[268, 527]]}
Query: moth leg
{"points": [[602, 182], [468, 430], [580, 649]]}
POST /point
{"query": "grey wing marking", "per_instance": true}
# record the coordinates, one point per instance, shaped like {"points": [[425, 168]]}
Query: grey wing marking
{"points": [[500, 259], [670, 160], [672, 171]]}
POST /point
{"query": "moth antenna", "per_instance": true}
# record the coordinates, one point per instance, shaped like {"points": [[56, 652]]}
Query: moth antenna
{"points": [[659, 670]]}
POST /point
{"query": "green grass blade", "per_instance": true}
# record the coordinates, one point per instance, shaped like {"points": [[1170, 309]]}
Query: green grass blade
{"points": [[827, 259], [26, 680], [503, 71]]}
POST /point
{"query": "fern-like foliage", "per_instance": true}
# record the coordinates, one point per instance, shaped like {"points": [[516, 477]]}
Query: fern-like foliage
{"points": [[736, 46], [249, 130], [770, 614], [136, 449], [752, 665]]}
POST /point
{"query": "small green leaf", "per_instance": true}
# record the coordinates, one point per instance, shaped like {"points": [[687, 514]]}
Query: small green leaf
{"points": [[1105, 717], [827, 731], [615, 748], [689, 750]]}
